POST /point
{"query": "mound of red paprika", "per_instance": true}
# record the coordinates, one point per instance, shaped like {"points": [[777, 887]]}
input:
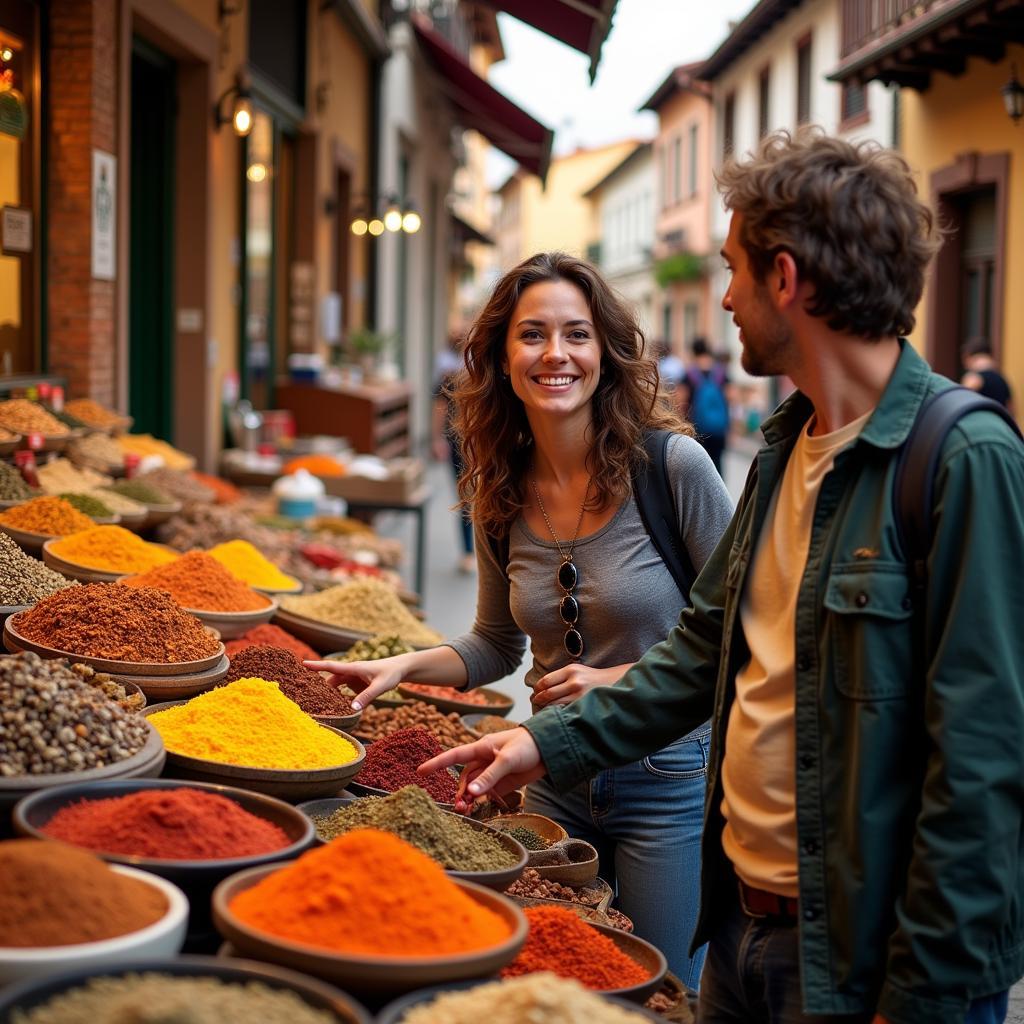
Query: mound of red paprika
{"points": [[391, 763]]}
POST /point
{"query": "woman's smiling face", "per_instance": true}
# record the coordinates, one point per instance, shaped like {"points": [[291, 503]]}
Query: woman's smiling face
{"points": [[552, 350]]}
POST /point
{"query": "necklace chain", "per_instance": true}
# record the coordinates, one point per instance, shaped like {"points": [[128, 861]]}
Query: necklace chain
{"points": [[566, 557]]}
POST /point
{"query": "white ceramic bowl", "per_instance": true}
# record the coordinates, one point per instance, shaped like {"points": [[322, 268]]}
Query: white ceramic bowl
{"points": [[164, 938]]}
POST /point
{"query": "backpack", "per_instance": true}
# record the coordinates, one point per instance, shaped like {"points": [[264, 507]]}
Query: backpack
{"points": [[708, 408], [914, 479], [656, 504]]}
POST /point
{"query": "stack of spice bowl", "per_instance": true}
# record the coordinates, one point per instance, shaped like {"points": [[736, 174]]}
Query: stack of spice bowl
{"points": [[340, 616], [463, 847], [64, 908], [137, 635], [312, 691], [103, 554], [249, 734], [372, 913], [80, 734], [97, 417], [203, 587], [9, 441], [197, 989], [193, 834], [33, 523]]}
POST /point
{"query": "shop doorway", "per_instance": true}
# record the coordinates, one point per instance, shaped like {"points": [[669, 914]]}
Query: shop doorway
{"points": [[151, 241]]}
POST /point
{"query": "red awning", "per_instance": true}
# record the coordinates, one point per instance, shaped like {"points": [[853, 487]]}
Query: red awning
{"points": [[480, 106], [582, 24]]}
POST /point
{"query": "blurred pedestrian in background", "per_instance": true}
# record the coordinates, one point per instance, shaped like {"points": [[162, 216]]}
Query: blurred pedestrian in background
{"points": [[705, 385], [445, 443], [981, 373]]}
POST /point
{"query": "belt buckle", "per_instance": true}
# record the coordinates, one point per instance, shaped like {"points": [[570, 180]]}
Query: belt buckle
{"points": [[743, 903]]}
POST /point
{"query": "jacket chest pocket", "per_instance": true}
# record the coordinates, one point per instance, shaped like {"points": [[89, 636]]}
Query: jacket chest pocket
{"points": [[869, 627]]}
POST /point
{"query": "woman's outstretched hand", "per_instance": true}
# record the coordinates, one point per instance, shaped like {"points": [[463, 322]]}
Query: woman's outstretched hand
{"points": [[369, 679], [498, 763]]}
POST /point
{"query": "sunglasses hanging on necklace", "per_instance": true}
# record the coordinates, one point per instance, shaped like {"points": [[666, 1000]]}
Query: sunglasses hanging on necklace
{"points": [[567, 578]]}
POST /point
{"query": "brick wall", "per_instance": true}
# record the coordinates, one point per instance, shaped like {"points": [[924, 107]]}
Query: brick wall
{"points": [[83, 116]]}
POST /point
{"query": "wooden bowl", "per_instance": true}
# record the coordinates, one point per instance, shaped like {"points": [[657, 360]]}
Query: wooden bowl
{"points": [[346, 723], [234, 624], [323, 636], [7, 610], [582, 866], [646, 955], [145, 763], [544, 827], [295, 588], [287, 784], [8, 447], [168, 688], [157, 514], [363, 972], [14, 641], [74, 571], [470, 723], [498, 880], [397, 1011], [497, 703], [345, 1010]]}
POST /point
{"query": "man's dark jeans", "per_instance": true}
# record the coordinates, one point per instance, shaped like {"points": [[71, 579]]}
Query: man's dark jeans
{"points": [[752, 976]]}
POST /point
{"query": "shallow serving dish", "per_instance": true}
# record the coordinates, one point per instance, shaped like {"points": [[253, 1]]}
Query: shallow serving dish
{"points": [[322, 635], [163, 938], [6, 610], [7, 447], [395, 1012], [234, 624], [15, 641], [317, 994], [581, 869], [167, 688], [157, 514], [497, 703], [286, 784], [362, 972], [544, 827], [146, 763], [498, 880], [74, 571]]}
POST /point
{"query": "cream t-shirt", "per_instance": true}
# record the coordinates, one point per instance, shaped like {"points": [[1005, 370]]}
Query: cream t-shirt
{"points": [[758, 771]]}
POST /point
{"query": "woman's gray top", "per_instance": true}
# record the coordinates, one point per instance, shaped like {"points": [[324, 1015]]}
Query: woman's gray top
{"points": [[627, 597]]}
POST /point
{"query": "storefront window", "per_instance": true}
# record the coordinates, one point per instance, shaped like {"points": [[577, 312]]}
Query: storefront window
{"points": [[19, 227]]}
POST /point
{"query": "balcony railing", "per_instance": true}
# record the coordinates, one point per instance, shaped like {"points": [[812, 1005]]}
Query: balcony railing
{"points": [[866, 20]]}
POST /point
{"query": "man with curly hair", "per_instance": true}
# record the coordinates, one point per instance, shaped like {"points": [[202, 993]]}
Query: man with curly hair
{"points": [[863, 841]]}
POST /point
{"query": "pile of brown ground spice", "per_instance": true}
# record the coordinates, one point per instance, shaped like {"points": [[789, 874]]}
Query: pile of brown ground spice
{"points": [[107, 620], [314, 694]]}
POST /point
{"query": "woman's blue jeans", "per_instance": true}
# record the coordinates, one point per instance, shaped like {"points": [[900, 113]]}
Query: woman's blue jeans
{"points": [[646, 821]]}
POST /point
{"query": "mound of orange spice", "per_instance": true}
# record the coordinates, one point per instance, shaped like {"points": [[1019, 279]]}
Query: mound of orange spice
{"points": [[197, 580], [561, 942], [53, 516], [369, 892]]}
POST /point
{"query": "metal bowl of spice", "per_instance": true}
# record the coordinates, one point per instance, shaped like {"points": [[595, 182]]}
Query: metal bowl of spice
{"points": [[194, 985], [463, 847]]}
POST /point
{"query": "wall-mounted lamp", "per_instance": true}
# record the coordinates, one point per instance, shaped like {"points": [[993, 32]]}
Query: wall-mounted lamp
{"points": [[241, 111], [6, 54], [256, 172], [1013, 97], [393, 216]]}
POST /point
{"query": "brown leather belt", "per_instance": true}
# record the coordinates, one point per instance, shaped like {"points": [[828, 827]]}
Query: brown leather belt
{"points": [[760, 903]]}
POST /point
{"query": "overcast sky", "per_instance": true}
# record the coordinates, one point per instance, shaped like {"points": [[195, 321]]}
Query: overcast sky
{"points": [[648, 39]]}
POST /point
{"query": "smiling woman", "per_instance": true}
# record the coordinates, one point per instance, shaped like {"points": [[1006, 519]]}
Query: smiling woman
{"points": [[553, 409]]}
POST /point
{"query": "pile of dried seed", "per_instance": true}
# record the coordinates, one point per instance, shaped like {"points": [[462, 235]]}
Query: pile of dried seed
{"points": [[97, 451], [24, 579], [25, 417], [53, 721], [530, 839], [181, 486], [377, 723], [12, 484], [533, 887], [60, 475]]}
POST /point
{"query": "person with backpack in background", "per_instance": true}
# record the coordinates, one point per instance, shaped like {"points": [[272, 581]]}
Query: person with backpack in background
{"points": [[705, 386], [593, 508], [981, 373], [863, 857]]}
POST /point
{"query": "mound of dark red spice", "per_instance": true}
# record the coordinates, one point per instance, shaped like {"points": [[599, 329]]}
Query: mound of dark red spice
{"points": [[391, 763]]}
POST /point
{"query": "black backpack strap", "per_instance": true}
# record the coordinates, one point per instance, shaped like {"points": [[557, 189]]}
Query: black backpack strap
{"points": [[656, 504], [914, 481]]}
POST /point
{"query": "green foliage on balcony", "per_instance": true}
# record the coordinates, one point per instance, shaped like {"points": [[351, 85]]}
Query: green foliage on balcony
{"points": [[680, 266]]}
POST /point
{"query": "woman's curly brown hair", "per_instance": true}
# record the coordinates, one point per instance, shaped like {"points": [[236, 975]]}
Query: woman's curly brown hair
{"points": [[490, 421], [849, 215]]}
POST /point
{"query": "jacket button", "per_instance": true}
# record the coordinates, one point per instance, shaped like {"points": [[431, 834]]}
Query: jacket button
{"points": [[861, 600], [810, 914], [806, 761], [803, 663]]}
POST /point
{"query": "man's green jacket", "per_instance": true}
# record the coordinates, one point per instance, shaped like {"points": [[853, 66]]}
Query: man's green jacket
{"points": [[909, 764]]}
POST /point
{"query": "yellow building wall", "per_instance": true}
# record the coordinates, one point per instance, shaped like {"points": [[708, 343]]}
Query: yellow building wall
{"points": [[559, 217], [960, 115]]}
